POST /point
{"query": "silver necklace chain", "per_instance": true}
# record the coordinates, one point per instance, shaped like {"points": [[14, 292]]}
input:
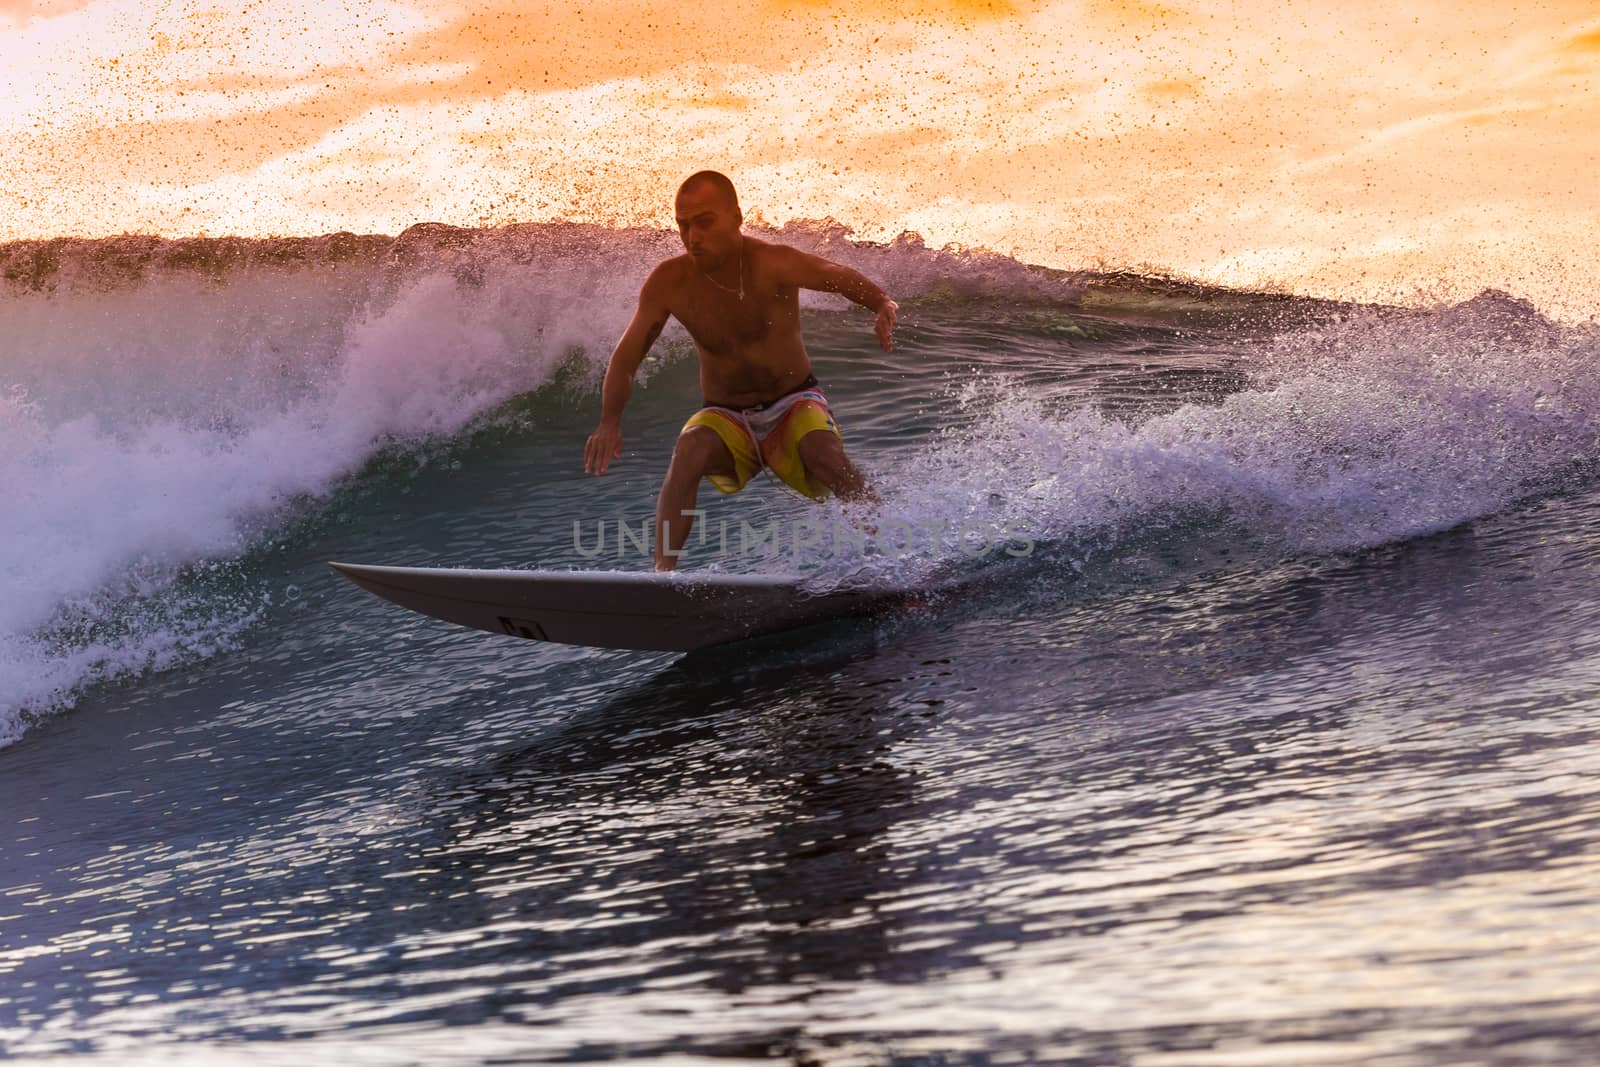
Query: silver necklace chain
{"points": [[729, 289]]}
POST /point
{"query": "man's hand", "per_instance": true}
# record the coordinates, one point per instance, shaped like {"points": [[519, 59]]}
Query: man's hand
{"points": [[884, 327], [605, 445]]}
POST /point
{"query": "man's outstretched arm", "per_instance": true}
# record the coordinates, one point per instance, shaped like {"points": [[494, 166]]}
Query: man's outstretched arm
{"points": [[649, 318], [805, 271]]}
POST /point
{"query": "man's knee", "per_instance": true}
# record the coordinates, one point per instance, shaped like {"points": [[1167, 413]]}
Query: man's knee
{"points": [[698, 452]]}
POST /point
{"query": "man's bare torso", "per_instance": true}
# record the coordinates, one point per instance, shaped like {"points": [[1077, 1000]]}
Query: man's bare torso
{"points": [[750, 349]]}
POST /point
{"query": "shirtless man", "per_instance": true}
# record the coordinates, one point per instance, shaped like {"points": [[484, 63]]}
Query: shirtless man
{"points": [[739, 298]]}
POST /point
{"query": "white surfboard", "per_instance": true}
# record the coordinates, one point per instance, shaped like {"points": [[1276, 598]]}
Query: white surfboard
{"points": [[613, 609]]}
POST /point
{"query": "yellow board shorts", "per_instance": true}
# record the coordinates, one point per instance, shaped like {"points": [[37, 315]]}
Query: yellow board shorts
{"points": [[769, 436]]}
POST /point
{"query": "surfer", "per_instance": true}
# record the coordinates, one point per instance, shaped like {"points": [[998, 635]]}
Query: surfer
{"points": [[739, 298]]}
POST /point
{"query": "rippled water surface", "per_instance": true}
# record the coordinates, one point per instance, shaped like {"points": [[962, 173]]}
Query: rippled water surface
{"points": [[1265, 756]]}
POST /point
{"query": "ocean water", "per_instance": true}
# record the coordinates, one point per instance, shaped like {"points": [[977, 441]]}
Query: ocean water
{"points": [[1277, 747]]}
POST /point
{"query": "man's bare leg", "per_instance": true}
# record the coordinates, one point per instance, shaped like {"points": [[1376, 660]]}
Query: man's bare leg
{"points": [[699, 452], [822, 454]]}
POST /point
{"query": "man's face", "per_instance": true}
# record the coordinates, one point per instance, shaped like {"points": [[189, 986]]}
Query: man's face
{"points": [[708, 224]]}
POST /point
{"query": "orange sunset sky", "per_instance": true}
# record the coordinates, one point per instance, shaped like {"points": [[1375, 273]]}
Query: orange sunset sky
{"points": [[1410, 151]]}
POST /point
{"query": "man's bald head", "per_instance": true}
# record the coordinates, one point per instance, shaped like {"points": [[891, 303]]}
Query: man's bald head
{"points": [[709, 219], [710, 179]]}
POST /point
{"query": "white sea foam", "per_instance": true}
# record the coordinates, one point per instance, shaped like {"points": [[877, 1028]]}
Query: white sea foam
{"points": [[151, 426], [1377, 428]]}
